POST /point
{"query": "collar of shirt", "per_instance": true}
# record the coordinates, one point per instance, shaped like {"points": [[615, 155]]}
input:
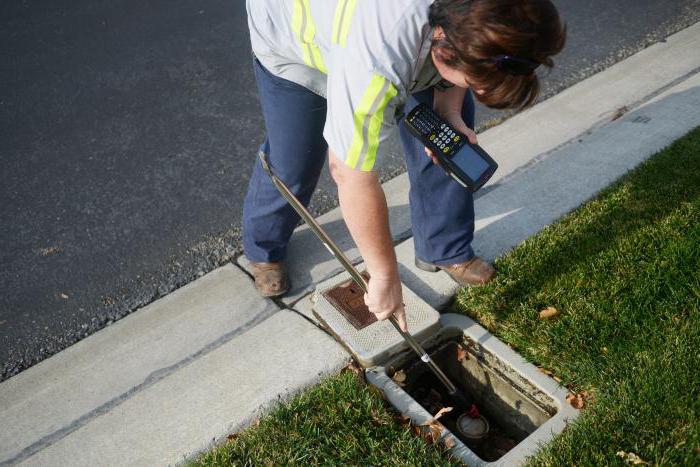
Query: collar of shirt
{"points": [[425, 74]]}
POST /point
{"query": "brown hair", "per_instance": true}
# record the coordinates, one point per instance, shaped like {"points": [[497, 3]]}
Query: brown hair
{"points": [[476, 31]]}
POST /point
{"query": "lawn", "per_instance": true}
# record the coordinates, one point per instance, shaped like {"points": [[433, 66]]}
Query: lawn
{"points": [[340, 421], [623, 271]]}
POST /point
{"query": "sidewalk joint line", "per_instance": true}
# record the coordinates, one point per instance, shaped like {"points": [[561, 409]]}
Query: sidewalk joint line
{"points": [[318, 325], [149, 381]]}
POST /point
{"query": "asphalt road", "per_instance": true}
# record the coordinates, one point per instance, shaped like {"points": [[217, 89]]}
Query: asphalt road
{"points": [[127, 132]]}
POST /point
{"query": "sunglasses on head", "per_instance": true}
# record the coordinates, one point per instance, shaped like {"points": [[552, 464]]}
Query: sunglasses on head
{"points": [[506, 63], [513, 65]]}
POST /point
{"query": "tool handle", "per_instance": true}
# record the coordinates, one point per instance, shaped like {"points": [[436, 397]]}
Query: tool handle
{"points": [[350, 268]]}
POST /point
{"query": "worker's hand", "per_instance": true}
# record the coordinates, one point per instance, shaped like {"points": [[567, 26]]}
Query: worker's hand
{"points": [[384, 298], [459, 125]]}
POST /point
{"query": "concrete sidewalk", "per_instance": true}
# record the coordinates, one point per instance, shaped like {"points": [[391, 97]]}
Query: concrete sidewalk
{"points": [[167, 381]]}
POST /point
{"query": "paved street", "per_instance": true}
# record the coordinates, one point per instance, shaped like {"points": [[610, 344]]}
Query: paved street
{"points": [[127, 131]]}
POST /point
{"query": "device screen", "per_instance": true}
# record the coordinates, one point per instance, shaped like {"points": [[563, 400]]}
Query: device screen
{"points": [[470, 162]]}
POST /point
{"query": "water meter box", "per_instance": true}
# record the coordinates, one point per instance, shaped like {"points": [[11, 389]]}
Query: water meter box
{"points": [[523, 406]]}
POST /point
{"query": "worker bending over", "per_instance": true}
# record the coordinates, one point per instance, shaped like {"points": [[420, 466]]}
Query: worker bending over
{"points": [[336, 77]]}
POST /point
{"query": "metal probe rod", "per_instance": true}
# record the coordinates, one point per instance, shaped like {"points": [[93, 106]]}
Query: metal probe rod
{"points": [[356, 276]]}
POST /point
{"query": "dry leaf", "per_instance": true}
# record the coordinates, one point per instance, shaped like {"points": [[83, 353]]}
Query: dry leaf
{"points": [[430, 432], [232, 437], [442, 412], [549, 312], [435, 428], [462, 354], [550, 374], [354, 368], [575, 400], [449, 442], [631, 458], [399, 378], [403, 420], [377, 419], [49, 250]]}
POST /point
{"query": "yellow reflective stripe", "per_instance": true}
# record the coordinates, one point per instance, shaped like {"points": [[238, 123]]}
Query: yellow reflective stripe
{"points": [[368, 118], [341, 22], [309, 31], [359, 116], [305, 30], [375, 126], [317, 59], [345, 27], [339, 11]]}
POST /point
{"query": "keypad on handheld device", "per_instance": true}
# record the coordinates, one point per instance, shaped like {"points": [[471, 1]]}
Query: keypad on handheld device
{"points": [[468, 164], [441, 135]]}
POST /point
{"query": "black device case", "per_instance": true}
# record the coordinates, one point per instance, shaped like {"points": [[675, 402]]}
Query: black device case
{"points": [[423, 123]]}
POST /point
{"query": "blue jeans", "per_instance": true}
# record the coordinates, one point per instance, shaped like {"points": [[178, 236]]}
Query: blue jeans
{"points": [[442, 211]]}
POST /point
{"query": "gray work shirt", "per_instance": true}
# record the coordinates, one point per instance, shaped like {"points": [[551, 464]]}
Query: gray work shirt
{"points": [[364, 56]]}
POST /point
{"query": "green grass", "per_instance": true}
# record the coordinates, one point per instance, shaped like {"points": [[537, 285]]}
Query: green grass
{"points": [[624, 270], [341, 421]]}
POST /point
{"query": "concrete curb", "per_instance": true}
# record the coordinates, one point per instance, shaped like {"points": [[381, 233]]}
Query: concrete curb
{"points": [[95, 375], [193, 359], [576, 172], [168, 380], [196, 407]]}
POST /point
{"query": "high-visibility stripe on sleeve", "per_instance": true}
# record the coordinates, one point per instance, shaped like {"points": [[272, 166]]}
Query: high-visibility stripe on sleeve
{"points": [[375, 126], [305, 30], [341, 22], [368, 119]]}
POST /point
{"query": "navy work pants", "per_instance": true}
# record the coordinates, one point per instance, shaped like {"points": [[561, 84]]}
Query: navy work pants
{"points": [[442, 211]]}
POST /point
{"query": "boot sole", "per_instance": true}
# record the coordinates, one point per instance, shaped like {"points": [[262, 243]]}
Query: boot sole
{"points": [[273, 294], [429, 267]]}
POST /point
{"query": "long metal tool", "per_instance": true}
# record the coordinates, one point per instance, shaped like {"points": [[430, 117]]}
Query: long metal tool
{"points": [[357, 277]]}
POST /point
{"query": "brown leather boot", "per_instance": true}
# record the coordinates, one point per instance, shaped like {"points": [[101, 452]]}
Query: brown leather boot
{"points": [[475, 271], [270, 278]]}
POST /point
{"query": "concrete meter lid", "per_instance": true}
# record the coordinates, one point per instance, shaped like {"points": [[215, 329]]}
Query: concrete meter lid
{"points": [[374, 343]]}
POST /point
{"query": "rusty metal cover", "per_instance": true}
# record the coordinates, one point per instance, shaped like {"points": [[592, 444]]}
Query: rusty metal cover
{"points": [[348, 298], [375, 343]]}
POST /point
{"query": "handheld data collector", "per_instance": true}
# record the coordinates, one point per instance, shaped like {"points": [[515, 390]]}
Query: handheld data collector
{"points": [[467, 163]]}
